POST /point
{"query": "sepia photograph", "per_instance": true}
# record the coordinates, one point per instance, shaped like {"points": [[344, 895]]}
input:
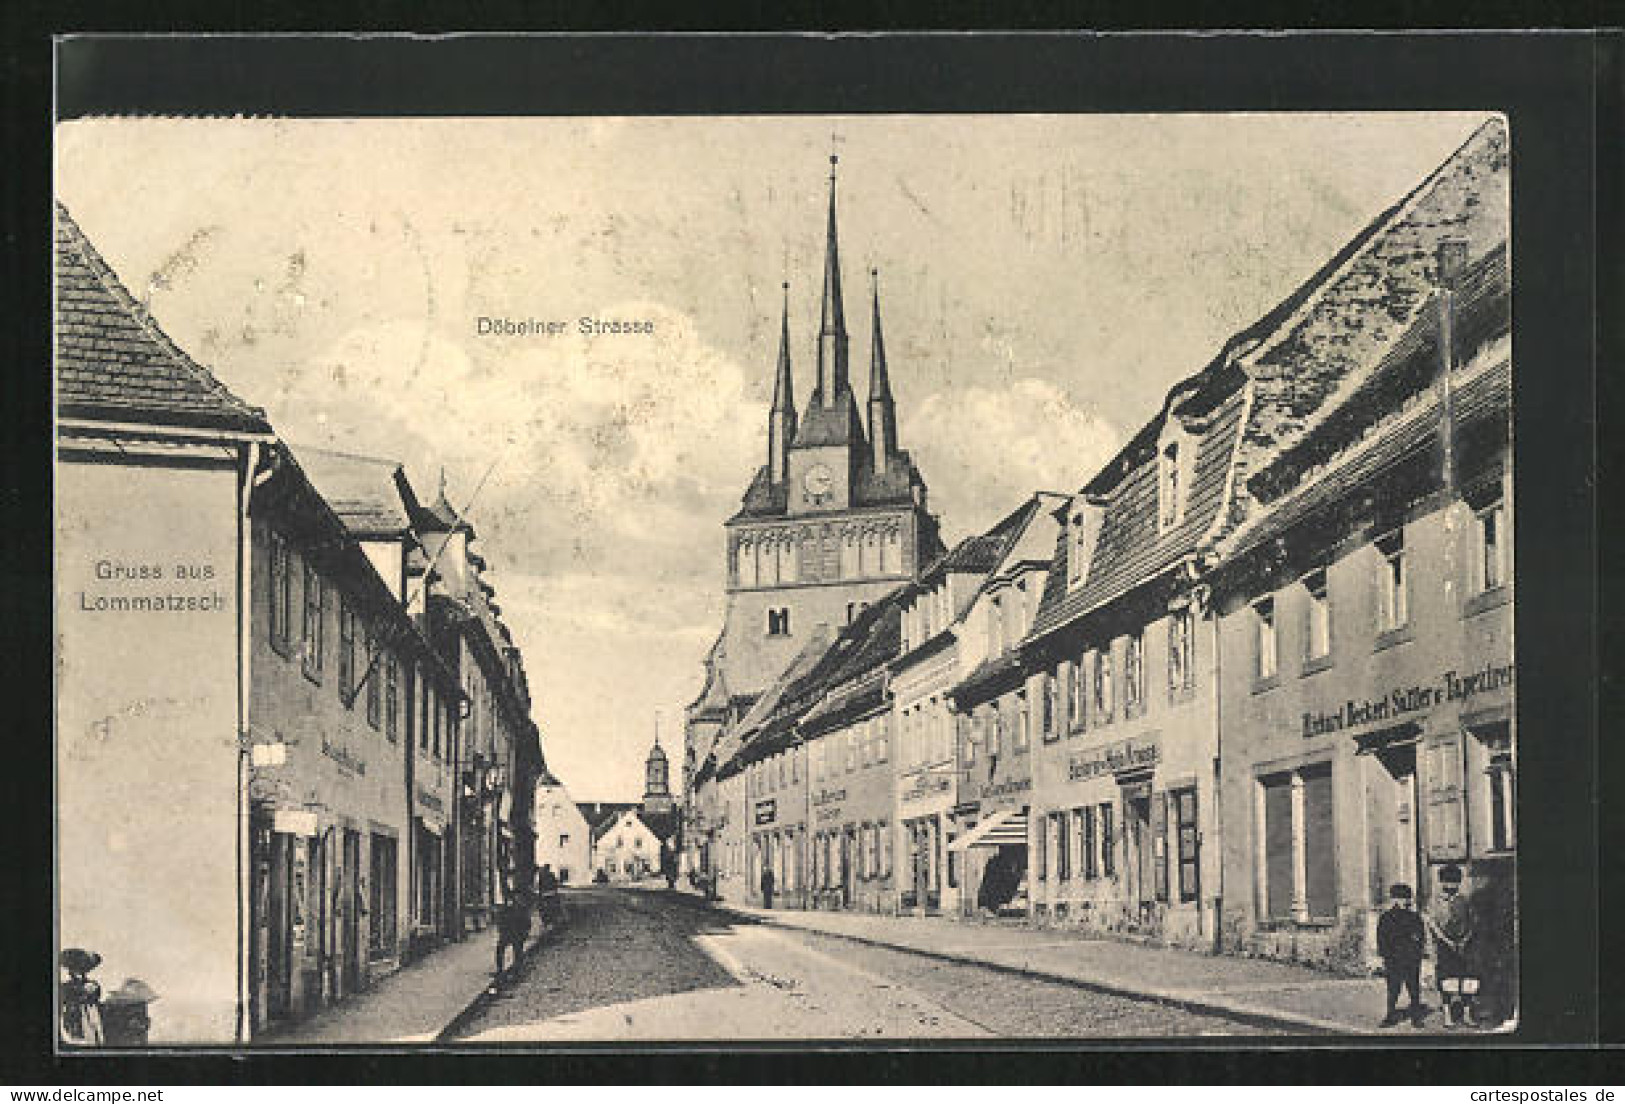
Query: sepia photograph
{"points": [[715, 579]]}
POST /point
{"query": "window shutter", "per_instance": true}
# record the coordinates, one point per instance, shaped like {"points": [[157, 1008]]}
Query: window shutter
{"points": [[1278, 847], [1445, 835], [1320, 849], [1189, 870], [1159, 844]]}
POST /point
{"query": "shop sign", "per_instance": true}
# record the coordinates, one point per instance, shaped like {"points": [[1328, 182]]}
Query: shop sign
{"points": [[767, 811], [1124, 755], [826, 797], [1453, 686], [1003, 793], [928, 784], [294, 822]]}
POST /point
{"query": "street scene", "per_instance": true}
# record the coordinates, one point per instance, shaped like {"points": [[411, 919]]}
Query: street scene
{"points": [[552, 581]]}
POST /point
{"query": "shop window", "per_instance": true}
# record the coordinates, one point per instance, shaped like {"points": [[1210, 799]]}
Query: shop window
{"points": [[1181, 649], [1108, 842], [1264, 648], [1188, 843], [312, 639], [1299, 868], [1489, 531], [1134, 675], [1090, 849], [1317, 617], [1393, 609]]}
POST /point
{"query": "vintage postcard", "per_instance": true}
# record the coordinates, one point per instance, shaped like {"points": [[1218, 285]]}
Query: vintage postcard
{"points": [[792, 578]]}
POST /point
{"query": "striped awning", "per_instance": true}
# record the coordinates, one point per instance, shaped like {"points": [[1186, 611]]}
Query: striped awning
{"points": [[998, 830]]}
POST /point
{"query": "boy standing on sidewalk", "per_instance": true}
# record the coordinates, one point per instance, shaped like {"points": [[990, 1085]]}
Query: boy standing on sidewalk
{"points": [[1399, 942], [1450, 922]]}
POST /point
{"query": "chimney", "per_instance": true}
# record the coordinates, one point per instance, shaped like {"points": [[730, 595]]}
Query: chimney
{"points": [[1452, 259]]}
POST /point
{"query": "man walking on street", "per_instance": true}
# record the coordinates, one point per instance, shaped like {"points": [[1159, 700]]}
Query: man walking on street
{"points": [[1450, 922], [767, 886], [1399, 942]]}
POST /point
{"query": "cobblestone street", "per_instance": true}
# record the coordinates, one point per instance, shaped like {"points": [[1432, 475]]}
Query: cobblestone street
{"points": [[656, 966]]}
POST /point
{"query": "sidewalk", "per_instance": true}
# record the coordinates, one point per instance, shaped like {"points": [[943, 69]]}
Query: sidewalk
{"points": [[415, 1004], [1292, 999]]}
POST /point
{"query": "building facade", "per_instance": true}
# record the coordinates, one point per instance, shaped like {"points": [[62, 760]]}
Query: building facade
{"points": [[313, 796], [990, 721], [1366, 626], [563, 836]]}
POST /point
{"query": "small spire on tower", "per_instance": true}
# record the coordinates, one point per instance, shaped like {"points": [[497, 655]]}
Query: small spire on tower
{"points": [[832, 378], [882, 411], [781, 421]]}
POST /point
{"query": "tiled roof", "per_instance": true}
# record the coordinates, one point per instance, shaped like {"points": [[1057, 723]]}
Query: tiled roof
{"points": [[1372, 298], [1407, 435], [363, 490], [113, 363], [1129, 548], [1482, 312], [1315, 345]]}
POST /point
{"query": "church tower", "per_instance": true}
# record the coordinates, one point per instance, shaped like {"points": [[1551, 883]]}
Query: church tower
{"points": [[657, 797], [837, 517]]}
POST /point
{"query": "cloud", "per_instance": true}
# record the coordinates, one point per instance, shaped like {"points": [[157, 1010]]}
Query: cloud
{"points": [[983, 450]]}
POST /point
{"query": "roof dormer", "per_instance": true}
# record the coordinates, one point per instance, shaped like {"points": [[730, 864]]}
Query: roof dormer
{"points": [[1176, 465], [1083, 524]]}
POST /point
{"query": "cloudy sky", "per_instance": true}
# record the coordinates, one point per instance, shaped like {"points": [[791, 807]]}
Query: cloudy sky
{"points": [[1043, 281]]}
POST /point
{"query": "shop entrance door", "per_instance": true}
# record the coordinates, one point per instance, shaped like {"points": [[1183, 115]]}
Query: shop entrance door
{"points": [[277, 926], [1405, 843], [1142, 851], [350, 908]]}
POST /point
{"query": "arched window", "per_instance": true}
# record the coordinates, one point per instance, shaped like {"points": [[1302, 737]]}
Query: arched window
{"points": [[787, 558], [849, 554], [891, 558], [869, 559], [747, 562]]}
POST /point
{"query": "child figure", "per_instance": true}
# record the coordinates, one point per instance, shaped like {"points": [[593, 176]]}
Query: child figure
{"points": [[1399, 942], [1450, 922]]}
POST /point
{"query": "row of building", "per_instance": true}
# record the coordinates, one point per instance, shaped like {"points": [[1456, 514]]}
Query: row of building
{"points": [[295, 746], [1247, 675]]}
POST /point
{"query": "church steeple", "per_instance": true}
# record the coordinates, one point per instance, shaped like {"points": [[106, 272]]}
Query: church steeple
{"points": [[882, 411], [832, 375], [781, 424]]}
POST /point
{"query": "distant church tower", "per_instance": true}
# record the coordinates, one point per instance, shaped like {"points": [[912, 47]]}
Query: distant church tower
{"points": [[833, 520], [657, 779]]}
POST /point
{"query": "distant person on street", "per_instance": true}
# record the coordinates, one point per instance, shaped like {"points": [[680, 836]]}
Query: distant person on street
{"points": [[549, 907], [1450, 922], [513, 925], [767, 887], [1399, 941]]}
